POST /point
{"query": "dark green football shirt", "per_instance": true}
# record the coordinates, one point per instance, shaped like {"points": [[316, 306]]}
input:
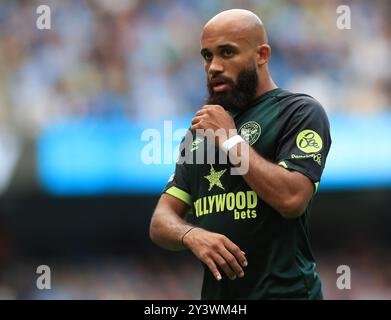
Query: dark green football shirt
{"points": [[288, 129]]}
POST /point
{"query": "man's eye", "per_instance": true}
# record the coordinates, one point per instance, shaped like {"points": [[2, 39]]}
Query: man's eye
{"points": [[207, 56], [227, 53]]}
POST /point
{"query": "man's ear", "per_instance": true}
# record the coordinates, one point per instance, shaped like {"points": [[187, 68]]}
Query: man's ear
{"points": [[263, 54]]}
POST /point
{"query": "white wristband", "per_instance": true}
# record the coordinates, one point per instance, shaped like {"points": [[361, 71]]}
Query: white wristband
{"points": [[231, 142]]}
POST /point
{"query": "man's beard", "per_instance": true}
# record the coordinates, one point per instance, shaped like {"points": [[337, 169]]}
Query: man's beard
{"points": [[239, 95]]}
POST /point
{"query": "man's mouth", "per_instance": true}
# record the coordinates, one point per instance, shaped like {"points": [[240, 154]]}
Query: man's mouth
{"points": [[218, 85]]}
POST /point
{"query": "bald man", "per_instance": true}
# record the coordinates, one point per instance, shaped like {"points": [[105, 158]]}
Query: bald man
{"points": [[250, 231]]}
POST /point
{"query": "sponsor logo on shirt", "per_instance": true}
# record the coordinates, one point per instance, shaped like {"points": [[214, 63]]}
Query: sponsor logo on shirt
{"points": [[309, 141], [317, 157], [242, 205], [250, 131]]}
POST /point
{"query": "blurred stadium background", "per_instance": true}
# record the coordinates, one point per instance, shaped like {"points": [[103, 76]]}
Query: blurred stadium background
{"points": [[75, 99]]}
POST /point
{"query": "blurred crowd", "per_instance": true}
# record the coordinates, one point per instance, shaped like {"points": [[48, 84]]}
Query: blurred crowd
{"points": [[133, 277], [140, 59], [150, 276]]}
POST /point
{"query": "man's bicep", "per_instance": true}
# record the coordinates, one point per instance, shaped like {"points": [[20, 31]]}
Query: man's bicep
{"points": [[170, 203], [302, 172], [179, 193], [307, 187]]}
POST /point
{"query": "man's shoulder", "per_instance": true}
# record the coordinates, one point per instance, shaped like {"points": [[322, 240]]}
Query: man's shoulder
{"points": [[293, 103], [287, 97]]}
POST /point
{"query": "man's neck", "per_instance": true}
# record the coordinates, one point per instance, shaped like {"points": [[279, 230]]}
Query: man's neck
{"points": [[266, 88], [266, 82]]}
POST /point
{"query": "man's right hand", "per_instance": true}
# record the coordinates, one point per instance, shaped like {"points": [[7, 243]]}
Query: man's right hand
{"points": [[214, 250]]}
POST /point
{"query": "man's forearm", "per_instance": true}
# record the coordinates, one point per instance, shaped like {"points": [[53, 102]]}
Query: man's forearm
{"points": [[167, 229], [270, 181]]}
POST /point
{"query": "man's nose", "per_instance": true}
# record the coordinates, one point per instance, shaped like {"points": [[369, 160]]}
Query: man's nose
{"points": [[216, 67]]}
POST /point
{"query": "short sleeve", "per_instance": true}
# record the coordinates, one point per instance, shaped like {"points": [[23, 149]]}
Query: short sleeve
{"points": [[178, 184], [304, 139]]}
